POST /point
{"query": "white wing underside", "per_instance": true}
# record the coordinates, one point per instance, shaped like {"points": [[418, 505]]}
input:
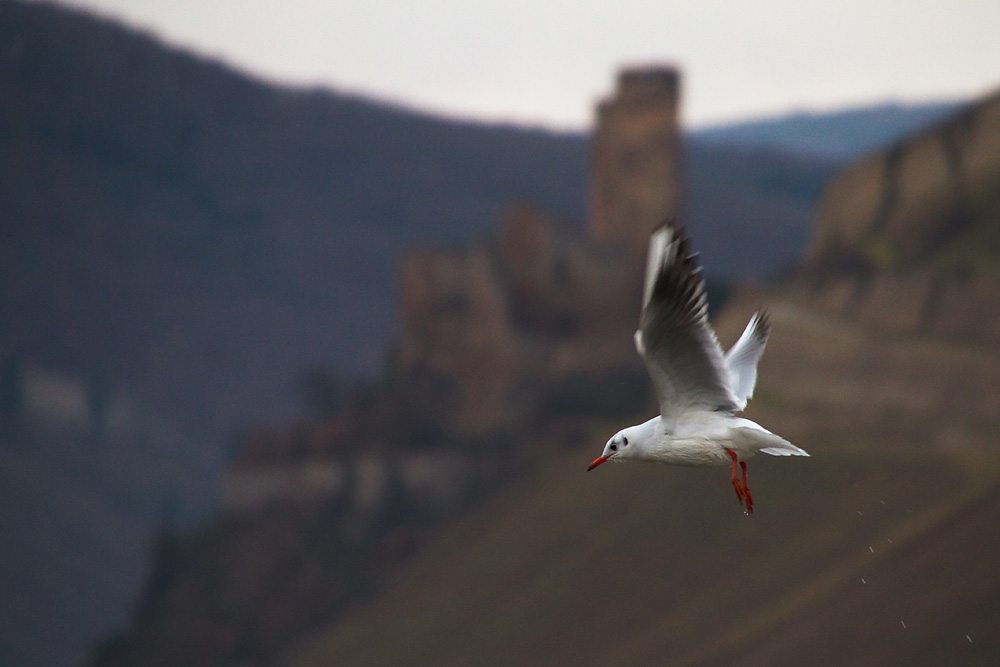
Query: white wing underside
{"points": [[742, 358], [681, 352]]}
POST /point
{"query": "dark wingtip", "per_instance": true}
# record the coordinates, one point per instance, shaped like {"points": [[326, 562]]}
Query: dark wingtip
{"points": [[682, 281], [763, 319]]}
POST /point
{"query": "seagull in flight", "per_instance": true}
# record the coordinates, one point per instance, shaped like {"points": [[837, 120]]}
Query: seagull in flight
{"points": [[699, 388]]}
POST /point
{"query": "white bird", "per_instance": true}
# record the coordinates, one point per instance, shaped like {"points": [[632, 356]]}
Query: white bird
{"points": [[699, 388]]}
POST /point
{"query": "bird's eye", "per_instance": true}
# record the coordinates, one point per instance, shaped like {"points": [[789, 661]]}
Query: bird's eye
{"points": [[624, 441], [613, 448]]}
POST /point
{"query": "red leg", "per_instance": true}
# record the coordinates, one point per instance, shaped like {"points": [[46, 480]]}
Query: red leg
{"points": [[736, 482], [747, 498]]}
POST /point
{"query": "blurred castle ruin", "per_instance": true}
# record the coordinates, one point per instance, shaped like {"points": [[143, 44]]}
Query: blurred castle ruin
{"points": [[494, 335], [636, 174], [486, 331]]}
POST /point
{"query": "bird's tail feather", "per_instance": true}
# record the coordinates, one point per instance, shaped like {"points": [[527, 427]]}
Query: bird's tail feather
{"points": [[786, 449], [773, 444]]}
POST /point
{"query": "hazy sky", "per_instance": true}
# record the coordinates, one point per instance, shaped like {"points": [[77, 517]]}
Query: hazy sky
{"points": [[538, 62]]}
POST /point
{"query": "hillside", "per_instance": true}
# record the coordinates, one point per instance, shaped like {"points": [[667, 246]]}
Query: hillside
{"points": [[877, 550], [183, 235]]}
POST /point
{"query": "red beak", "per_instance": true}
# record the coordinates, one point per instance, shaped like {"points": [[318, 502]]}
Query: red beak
{"points": [[597, 462]]}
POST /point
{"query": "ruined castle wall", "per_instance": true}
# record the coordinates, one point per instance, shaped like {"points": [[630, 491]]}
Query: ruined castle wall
{"points": [[456, 345], [482, 324], [452, 310], [528, 257]]}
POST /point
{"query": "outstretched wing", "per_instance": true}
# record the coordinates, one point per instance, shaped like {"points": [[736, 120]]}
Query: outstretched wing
{"points": [[743, 357], [680, 349]]}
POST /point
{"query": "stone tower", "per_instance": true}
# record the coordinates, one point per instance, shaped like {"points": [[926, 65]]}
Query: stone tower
{"points": [[636, 173]]}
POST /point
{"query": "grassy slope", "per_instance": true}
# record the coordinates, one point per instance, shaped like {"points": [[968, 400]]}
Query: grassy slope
{"points": [[891, 522]]}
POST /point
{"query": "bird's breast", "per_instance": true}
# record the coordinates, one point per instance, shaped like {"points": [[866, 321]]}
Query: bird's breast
{"points": [[690, 452]]}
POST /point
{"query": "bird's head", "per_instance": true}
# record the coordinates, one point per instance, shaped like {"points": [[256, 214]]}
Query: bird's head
{"points": [[616, 449]]}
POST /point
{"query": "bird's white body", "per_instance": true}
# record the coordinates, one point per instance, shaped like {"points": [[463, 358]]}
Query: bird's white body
{"points": [[700, 389], [700, 439]]}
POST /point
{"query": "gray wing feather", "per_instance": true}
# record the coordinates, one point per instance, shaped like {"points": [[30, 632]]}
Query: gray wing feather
{"points": [[743, 357], [675, 340]]}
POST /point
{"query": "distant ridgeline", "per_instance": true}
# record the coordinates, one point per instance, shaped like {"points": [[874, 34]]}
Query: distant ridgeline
{"points": [[909, 238]]}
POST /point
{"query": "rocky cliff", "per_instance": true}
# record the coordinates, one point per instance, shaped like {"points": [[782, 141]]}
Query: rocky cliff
{"points": [[909, 237]]}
